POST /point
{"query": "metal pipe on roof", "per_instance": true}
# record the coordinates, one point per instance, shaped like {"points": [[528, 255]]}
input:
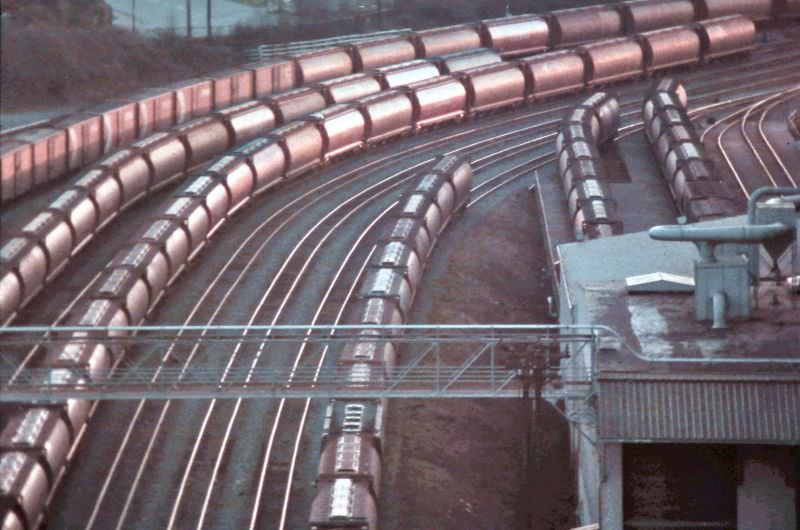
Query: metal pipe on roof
{"points": [[706, 238], [764, 191], [719, 234], [718, 302]]}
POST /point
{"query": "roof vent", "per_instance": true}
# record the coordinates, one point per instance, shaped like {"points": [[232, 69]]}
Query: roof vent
{"points": [[659, 282]]}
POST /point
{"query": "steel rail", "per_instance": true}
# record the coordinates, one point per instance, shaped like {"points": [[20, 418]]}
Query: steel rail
{"points": [[281, 408], [204, 421], [726, 157], [543, 160], [749, 142], [300, 203], [448, 137], [219, 307], [769, 144], [624, 131], [720, 137], [420, 164], [278, 313], [694, 76], [323, 355]]}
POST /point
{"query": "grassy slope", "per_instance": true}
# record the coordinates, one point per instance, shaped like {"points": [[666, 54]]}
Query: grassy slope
{"points": [[55, 66]]}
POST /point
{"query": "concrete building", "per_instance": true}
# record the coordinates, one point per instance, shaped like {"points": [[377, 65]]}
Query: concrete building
{"points": [[686, 426]]}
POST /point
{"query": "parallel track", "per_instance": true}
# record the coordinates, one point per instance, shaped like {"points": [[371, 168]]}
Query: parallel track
{"points": [[238, 273]]}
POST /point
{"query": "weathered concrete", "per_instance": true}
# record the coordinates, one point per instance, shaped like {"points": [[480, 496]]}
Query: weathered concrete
{"points": [[766, 496], [611, 514]]}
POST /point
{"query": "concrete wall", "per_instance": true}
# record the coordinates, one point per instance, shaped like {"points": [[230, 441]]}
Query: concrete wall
{"points": [[589, 476], [611, 514], [767, 492], [599, 483]]}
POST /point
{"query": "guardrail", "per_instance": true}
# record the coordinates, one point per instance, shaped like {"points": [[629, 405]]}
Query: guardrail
{"points": [[268, 51]]}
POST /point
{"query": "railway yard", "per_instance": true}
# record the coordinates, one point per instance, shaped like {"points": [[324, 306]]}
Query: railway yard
{"points": [[504, 172]]}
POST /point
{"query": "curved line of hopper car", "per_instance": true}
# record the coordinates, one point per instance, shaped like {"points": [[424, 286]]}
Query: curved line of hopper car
{"points": [[349, 473], [593, 122], [46, 244], [698, 192], [36, 441], [41, 155]]}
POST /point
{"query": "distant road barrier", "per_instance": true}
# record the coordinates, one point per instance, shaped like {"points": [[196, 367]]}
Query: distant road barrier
{"points": [[267, 51]]}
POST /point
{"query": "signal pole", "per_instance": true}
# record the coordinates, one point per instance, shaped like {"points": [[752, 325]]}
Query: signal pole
{"points": [[534, 367], [208, 18], [188, 19]]}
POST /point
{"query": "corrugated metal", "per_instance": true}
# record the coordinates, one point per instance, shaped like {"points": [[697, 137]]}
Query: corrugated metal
{"points": [[699, 411]]}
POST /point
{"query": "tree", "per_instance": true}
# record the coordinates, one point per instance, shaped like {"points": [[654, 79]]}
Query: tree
{"points": [[83, 13]]}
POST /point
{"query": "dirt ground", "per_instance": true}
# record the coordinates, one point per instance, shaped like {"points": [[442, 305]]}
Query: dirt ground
{"points": [[461, 463]]}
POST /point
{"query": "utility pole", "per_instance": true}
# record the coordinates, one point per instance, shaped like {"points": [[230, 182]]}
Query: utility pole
{"points": [[208, 18], [535, 367], [133, 16], [188, 19], [380, 14]]}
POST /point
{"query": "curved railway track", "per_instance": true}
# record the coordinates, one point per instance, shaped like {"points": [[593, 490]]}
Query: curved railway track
{"points": [[750, 157], [44, 313], [779, 152], [233, 268]]}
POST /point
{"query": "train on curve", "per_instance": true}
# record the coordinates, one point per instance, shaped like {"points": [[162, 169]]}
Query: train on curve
{"points": [[349, 474], [39, 155], [44, 246], [583, 176], [699, 193], [139, 274]]}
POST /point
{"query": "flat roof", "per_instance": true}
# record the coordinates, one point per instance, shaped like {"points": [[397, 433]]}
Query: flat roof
{"points": [[675, 379]]}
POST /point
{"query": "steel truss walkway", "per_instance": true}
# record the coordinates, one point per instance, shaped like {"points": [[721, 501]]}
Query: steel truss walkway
{"points": [[490, 361]]}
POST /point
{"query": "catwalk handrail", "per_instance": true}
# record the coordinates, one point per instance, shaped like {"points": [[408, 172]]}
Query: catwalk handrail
{"points": [[491, 357], [483, 351]]}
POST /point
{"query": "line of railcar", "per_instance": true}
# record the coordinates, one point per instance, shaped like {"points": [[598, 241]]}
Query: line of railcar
{"points": [[139, 274], [30, 258], [44, 154], [43, 246], [349, 474], [698, 192], [36, 440], [586, 186]]}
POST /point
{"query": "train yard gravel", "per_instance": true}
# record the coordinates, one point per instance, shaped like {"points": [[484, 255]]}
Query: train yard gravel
{"points": [[460, 463]]}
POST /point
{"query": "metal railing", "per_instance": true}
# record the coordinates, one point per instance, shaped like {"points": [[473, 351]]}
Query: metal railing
{"points": [[268, 51], [448, 361]]}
